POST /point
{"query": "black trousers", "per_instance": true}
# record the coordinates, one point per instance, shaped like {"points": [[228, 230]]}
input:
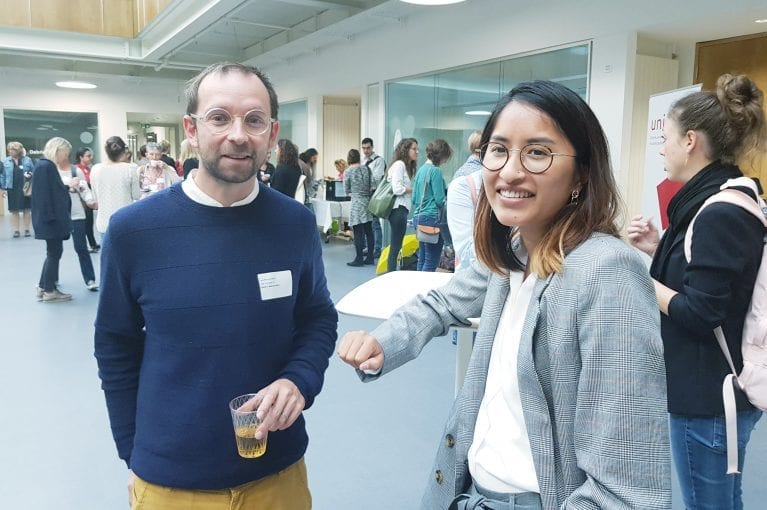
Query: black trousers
{"points": [[363, 232]]}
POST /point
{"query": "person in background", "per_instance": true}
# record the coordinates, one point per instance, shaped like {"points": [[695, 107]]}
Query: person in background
{"points": [[562, 404], [265, 173], [84, 157], [357, 183], [175, 344], [114, 183], [429, 192], [82, 200], [165, 156], [288, 172], [307, 160], [188, 157], [400, 173], [704, 135], [156, 175], [142, 156], [17, 168], [462, 195], [51, 215], [377, 167], [341, 166]]}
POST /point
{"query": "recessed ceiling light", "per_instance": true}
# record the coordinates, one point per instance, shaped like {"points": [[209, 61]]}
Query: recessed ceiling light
{"points": [[478, 112], [763, 20], [75, 85], [432, 2]]}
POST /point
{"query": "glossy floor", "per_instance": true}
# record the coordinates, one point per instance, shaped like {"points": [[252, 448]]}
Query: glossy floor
{"points": [[371, 445]]}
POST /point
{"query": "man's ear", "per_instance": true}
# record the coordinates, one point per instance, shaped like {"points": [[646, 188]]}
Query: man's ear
{"points": [[274, 133], [190, 129]]}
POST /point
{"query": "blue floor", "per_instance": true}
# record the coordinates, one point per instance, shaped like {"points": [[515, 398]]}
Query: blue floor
{"points": [[371, 445]]}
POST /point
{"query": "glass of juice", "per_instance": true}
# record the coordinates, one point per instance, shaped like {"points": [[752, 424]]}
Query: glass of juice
{"points": [[245, 425]]}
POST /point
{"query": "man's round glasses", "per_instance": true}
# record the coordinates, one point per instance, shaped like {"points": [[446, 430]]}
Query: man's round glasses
{"points": [[535, 158], [220, 121]]}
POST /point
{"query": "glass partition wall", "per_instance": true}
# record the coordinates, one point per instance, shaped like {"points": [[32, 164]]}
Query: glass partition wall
{"points": [[451, 104]]}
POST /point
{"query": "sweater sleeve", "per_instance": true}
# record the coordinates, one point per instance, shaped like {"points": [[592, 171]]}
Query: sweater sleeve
{"points": [[118, 344], [438, 187], [711, 277], [316, 323]]}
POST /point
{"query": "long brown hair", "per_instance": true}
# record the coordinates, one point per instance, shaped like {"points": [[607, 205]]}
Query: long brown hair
{"points": [[401, 154], [595, 210]]}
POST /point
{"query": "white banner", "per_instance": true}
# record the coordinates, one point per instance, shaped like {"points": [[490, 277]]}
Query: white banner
{"points": [[657, 190]]}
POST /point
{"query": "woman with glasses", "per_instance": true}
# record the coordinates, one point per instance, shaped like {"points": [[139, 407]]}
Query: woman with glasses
{"points": [[705, 134], [400, 173], [563, 401]]}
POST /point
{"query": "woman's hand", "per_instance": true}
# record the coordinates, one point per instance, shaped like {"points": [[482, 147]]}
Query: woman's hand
{"points": [[362, 351], [643, 235]]}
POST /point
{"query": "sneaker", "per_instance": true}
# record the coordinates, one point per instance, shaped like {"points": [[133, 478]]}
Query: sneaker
{"points": [[355, 263], [92, 286], [16, 234], [27, 234], [55, 296], [39, 293], [369, 262]]}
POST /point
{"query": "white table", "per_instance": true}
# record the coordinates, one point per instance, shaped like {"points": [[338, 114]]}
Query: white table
{"points": [[326, 211], [380, 297]]}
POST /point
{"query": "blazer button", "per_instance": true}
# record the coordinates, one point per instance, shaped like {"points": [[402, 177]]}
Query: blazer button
{"points": [[449, 440], [438, 476]]}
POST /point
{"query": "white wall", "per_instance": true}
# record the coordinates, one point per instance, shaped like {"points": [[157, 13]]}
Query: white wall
{"points": [[111, 100]]}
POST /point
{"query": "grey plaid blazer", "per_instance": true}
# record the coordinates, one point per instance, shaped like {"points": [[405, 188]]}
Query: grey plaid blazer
{"points": [[591, 378]]}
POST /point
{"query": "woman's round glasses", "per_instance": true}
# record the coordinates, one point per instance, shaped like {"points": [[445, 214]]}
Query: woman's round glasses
{"points": [[220, 121], [535, 158]]}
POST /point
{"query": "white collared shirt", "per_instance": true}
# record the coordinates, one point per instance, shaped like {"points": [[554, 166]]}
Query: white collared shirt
{"points": [[500, 458], [189, 186]]}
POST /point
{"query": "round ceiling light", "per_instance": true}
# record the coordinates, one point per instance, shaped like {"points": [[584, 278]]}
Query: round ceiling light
{"points": [[75, 85]]}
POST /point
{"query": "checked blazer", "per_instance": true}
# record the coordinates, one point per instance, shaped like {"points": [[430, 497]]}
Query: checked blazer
{"points": [[590, 374]]}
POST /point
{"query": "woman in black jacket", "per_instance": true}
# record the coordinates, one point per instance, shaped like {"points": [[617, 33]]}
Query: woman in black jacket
{"points": [[705, 134], [287, 173], [51, 218]]}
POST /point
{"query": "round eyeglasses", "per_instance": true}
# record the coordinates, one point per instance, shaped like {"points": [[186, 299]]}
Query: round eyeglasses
{"points": [[220, 121], [535, 158]]}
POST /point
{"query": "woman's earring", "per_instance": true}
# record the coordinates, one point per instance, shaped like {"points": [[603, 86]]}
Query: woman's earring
{"points": [[574, 196]]}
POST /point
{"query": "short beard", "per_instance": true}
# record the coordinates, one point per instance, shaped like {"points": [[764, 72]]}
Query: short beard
{"points": [[211, 166]]}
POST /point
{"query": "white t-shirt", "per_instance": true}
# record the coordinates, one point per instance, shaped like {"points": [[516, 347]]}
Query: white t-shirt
{"points": [[500, 458]]}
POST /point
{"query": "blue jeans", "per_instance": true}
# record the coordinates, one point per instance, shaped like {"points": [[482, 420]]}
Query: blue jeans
{"points": [[428, 254], [699, 448], [78, 240]]}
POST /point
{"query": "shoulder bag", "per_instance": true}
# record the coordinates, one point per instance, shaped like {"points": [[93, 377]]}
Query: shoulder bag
{"points": [[382, 201]]}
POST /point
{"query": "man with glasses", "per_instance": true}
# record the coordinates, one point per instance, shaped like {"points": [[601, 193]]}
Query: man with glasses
{"points": [[207, 297], [377, 167]]}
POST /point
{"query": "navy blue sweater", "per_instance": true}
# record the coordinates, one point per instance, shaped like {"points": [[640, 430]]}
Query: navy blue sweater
{"points": [[182, 328]]}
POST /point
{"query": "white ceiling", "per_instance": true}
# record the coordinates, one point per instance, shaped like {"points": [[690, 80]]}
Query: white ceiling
{"points": [[191, 34]]}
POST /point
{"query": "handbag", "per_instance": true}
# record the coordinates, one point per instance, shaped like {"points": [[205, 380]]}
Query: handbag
{"points": [[27, 187], [382, 201], [426, 233]]}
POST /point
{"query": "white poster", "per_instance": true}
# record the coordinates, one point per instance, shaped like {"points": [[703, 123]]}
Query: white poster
{"points": [[657, 190]]}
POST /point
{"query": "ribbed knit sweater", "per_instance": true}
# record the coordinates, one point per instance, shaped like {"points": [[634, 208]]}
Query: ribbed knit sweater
{"points": [[182, 328]]}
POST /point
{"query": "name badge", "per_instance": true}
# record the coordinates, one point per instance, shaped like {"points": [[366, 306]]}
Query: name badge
{"points": [[275, 285]]}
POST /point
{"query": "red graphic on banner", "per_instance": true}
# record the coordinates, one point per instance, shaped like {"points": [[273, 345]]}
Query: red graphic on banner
{"points": [[666, 191]]}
